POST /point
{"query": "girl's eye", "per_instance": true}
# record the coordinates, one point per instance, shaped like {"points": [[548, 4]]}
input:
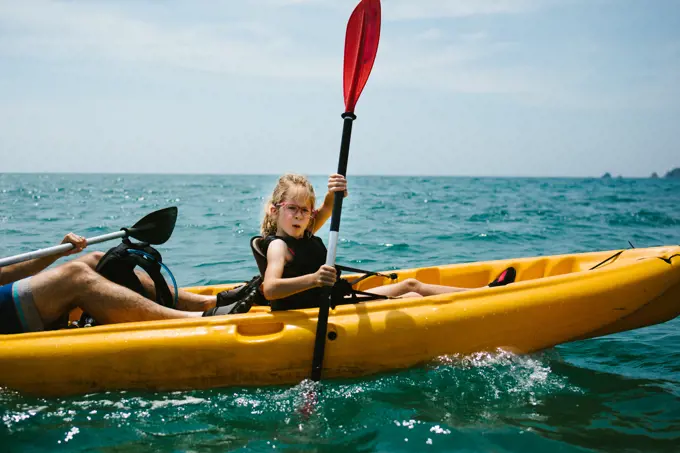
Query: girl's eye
{"points": [[293, 209]]}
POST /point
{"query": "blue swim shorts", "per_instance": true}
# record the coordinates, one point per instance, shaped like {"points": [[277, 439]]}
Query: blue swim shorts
{"points": [[18, 313]]}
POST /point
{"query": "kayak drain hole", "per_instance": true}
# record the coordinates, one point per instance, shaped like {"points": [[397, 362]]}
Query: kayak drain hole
{"points": [[332, 335]]}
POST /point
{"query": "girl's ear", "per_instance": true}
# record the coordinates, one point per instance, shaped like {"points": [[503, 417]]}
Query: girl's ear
{"points": [[272, 209]]}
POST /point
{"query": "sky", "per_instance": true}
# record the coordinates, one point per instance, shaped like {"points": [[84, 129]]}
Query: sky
{"points": [[464, 88]]}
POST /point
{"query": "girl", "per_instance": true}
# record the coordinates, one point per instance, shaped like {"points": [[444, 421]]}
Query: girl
{"points": [[296, 258]]}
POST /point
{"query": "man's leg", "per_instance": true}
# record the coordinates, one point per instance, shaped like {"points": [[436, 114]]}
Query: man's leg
{"points": [[91, 259], [185, 300], [75, 284]]}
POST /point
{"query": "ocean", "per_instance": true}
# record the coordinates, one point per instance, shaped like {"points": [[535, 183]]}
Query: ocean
{"points": [[615, 393]]}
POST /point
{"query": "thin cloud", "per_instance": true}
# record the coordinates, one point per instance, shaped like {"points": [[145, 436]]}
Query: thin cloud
{"points": [[67, 31], [430, 58], [438, 9], [404, 10], [431, 34]]}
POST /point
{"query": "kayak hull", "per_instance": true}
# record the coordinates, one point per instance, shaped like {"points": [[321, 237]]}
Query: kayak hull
{"points": [[555, 300]]}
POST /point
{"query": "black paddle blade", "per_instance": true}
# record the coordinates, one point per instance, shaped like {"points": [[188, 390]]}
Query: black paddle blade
{"points": [[155, 228]]}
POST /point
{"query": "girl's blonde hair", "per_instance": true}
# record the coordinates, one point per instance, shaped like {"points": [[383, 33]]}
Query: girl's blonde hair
{"points": [[284, 189]]}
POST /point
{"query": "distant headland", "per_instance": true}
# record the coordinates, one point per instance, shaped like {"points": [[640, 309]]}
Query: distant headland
{"points": [[673, 174]]}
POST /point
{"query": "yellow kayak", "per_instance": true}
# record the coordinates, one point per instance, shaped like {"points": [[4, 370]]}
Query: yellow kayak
{"points": [[556, 299]]}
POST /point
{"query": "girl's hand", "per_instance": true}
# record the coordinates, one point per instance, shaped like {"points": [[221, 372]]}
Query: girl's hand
{"points": [[337, 183], [79, 243], [325, 276]]}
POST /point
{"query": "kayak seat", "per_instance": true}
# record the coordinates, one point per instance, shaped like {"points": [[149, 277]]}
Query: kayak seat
{"points": [[260, 257]]}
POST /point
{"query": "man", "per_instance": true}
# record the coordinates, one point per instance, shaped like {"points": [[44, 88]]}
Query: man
{"points": [[31, 299]]}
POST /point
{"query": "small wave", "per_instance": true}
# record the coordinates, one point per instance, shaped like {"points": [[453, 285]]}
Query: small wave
{"points": [[214, 227], [495, 216], [503, 373], [395, 247], [219, 263], [643, 217], [615, 199]]}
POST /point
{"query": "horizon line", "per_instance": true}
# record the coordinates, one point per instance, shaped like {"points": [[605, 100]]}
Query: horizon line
{"points": [[324, 174]]}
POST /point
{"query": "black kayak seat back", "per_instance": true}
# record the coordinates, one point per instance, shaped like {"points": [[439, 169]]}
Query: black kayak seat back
{"points": [[260, 257]]}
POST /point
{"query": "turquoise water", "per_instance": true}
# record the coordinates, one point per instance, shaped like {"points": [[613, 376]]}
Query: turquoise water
{"points": [[617, 393]]}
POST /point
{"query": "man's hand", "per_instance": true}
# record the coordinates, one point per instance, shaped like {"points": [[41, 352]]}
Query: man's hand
{"points": [[79, 243]]}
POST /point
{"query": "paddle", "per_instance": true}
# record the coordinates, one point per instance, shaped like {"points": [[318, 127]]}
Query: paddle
{"points": [[361, 47], [155, 228]]}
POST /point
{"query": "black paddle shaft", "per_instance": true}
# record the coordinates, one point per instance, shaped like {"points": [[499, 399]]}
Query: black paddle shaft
{"points": [[342, 168], [324, 307]]}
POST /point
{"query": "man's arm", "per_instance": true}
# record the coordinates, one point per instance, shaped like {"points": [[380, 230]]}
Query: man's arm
{"points": [[14, 272]]}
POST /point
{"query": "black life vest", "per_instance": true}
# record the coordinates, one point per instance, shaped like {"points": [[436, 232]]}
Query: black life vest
{"points": [[309, 254]]}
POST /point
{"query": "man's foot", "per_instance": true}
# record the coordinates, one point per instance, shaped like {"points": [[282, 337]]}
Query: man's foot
{"points": [[505, 277]]}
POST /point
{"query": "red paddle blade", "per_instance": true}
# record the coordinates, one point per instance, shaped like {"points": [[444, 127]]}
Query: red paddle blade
{"points": [[361, 47]]}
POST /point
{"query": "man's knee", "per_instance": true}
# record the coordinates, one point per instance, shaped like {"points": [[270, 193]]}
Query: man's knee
{"points": [[412, 285], [78, 273], [91, 259], [97, 256]]}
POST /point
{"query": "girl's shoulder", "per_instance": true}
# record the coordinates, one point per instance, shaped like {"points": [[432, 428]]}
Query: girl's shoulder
{"points": [[267, 242], [280, 243], [290, 240]]}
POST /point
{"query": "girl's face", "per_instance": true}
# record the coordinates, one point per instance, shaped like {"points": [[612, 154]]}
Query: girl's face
{"points": [[293, 215]]}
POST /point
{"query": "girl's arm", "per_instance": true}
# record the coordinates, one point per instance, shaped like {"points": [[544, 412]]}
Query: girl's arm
{"points": [[336, 183], [275, 287]]}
